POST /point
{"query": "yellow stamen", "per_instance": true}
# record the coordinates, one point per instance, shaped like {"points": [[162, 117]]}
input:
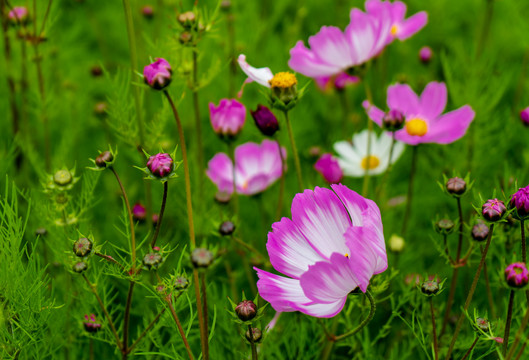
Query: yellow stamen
{"points": [[347, 255], [370, 162], [416, 127], [394, 30], [245, 185], [283, 80]]}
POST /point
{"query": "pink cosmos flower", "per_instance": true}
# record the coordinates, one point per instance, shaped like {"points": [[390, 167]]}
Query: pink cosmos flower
{"points": [[424, 122], [333, 244], [228, 118], [19, 14], [401, 28], [160, 165], [257, 167], [520, 201], [517, 275], [158, 74], [327, 165]]}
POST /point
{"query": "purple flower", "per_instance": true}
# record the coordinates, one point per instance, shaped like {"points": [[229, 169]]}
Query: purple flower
{"points": [[18, 15], [328, 167], [333, 244], [158, 74], [139, 212], [257, 167], [90, 324], [524, 116], [160, 165], [424, 122], [520, 201], [401, 28], [265, 120], [493, 210], [147, 11], [517, 275], [228, 118], [333, 51], [425, 54], [338, 82]]}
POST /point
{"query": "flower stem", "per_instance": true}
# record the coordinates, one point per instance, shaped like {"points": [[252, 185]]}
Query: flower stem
{"points": [[247, 246], [205, 309], [231, 50], [281, 183], [508, 323], [294, 152], [382, 187], [524, 250], [409, 197], [369, 96], [131, 222], [126, 320], [103, 308], [434, 331], [198, 125], [470, 349], [160, 216], [179, 326], [519, 335], [110, 259], [364, 322], [520, 353], [147, 329], [487, 287], [470, 293], [252, 344]]}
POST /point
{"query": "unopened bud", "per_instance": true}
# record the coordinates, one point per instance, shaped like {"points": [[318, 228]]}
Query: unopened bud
{"points": [[493, 210], [482, 324], [480, 232], [147, 11], [430, 287], [246, 310], [158, 74], [185, 37], [181, 283], [104, 158], [396, 243], [255, 336], [152, 260], [517, 275], [160, 165], [444, 226], [41, 232], [201, 257], [425, 54], [139, 213], [82, 247], [226, 228], [187, 19], [79, 267], [90, 324], [62, 177], [393, 120], [456, 186], [265, 120], [222, 197], [524, 116]]}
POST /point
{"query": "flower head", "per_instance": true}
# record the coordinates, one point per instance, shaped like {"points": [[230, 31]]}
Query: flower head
{"points": [[393, 120], [328, 167], [265, 120], [139, 213], [333, 244], [82, 247], [424, 122], [158, 74], [257, 167], [425, 54], [201, 257], [520, 201], [456, 186], [18, 15], [480, 231], [160, 165], [517, 275], [90, 324], [246, 310], [430, 287], [524, 116], [493, 210], [147, 11], [228, 118], [354, 160]]}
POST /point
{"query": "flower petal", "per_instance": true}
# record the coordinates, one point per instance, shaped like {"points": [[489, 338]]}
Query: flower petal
{"points": [[373, 112], [304, 61], [260, 75], [220, 172], [331, 46], [402, 98], [433, 99], [451, 126], [412, 25]]}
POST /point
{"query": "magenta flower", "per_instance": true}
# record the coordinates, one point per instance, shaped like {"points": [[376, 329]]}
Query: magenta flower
{"points": [[160, 165], [425, 54], [257, 167], [424, 122], [18, 15], [401, 28], [524, 116], [327, 165], [228, 118], [265, 120], [493, 210], [158, 74], [333, 244], [90, 324], [333, 51], [520, 201], [517, 275], [139, 213]]}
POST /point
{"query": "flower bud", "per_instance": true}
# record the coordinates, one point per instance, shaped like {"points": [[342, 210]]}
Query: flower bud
{"points": [[187, 19], [226, 228], [155, 218], [284, 86], [185, 37], [104, 158], [152, 260], [314, 151], [482, 324], [79, 267], [430, 287], [396, 243], [412, 279], [393, 120], [181, 283], [456, 186], [480, 232], [425, 54], [158, 75], [96, 71], [329, 168], [228, 118], [41, 232], [517, 275], [160, 165], [225, 4], [147, 11], [246, 310], [100, 108], [90, 324], [62, 177], [139, 213], [201, 257], [265, 120], [82, 247], [493, 210], [18, 15], [222, 197], [524, 116], [520, 201], [444, 226], [255, 337]]}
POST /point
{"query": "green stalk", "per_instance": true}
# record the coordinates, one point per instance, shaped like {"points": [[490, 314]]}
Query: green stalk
{"points": [[294, 152], [434, 331], [363, 323], [409, 196], [160, 216], [508, 323], [519, 335], [281, 183], [198, 125], [369, 96]]}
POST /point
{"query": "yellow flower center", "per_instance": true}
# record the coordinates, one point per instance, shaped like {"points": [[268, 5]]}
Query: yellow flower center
{"points": [[283, 80], [394, 30], [245, 185], [370, 162], [416, 127], [347, 255]]}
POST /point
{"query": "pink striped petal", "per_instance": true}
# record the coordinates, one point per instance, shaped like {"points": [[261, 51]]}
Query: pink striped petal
{"points": [[412, 25], [331, 46], [305, 61], [364, 259], [220, 172]]}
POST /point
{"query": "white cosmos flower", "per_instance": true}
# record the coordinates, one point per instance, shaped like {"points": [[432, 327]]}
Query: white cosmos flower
{"points": [[353, 158]]}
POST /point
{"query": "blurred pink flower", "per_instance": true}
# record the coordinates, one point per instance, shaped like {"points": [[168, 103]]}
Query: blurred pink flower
{"points": [[524, 116], [338, 82], [228, 118], [425, 54], [257, 167], [517, 275], [160, 165], [328, 167], [424, 122], [333, 244], [19, 14], [158, 74]]}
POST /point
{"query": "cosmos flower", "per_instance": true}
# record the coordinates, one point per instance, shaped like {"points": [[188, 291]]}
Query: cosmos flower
{"points": [[333, 244], [18, 15], [227, 119], [424, 121], [158, 74], [353, 158], [517, 275], [257, 167], [520, 201], [330, 170]]}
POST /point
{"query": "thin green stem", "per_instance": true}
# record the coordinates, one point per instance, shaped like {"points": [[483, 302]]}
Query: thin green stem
{"points": [[110, 259], [198, 125], [126, 320], [160, 216], [520, 353], [231, 49], [434, 330], [519, 335], [246, 245], [179, 326], [364, 322], [487, 287], [131, 222], [205, 310], [252, 344], [281, 183], [147, 329], [470, 349], [524, 250], [294, 152], [508, 323], [486, 28], [409, 197], [470, 293]]}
